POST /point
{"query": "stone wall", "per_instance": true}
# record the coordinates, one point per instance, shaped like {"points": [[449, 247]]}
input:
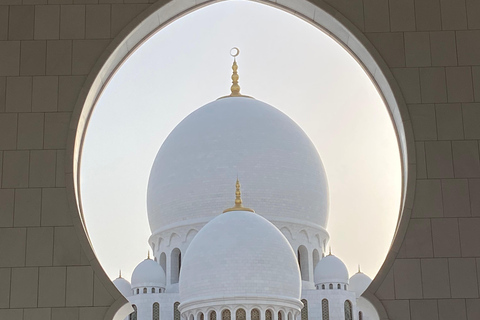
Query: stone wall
{"points": [[51, 56]]}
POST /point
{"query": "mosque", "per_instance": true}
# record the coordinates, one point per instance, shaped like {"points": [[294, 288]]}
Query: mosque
{"points": [[265, 263]]}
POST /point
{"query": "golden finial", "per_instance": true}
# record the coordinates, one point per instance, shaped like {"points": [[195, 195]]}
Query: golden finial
{"points": [[359, 271], [235, 88], [330, 251], [238, 201], [148, 254], [120, 273]]}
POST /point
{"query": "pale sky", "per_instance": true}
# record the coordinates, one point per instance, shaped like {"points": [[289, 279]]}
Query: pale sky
{"points": [[285, 62]]}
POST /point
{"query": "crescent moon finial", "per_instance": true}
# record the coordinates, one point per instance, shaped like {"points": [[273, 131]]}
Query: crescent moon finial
{"points": [[234, 52]]}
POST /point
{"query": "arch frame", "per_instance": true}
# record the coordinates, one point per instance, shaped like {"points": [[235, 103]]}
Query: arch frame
{"points": [[159, 15]]}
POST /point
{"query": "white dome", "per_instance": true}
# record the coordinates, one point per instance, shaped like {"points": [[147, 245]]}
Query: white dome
{"points": [[239, 255], [123, 286], [148, 274], [230, 137], [330, 269], [359, 282]]}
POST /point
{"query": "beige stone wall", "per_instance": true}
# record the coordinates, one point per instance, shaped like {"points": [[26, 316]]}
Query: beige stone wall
{"points": [[51, 49]]}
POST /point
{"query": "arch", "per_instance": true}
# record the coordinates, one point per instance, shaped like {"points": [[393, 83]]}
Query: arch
{"points": [[133, 315], [255, 314], [304, 234], [190, 235], [176, 313], [287, 233], [330, 286], [240, 314], [226, 314], [156, 311], [320, 243], [360, 315], [325, 310], [323, 16], [304, 311], [280, 315], [302, 256], [191, 317], [213, 315], [323, 287], [200, 316], [175, 265], [138, 290], [268, 315], [339, 286], [348, 310], [153, 290], [315, 258], [173, 238], [289, 317], [163, 261]]}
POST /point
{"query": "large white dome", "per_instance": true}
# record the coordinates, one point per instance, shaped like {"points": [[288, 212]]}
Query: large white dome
{"points": [[239, 255], [279, 166]]}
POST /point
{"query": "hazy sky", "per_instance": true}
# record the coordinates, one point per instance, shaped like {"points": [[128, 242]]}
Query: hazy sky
{"points": [[285, 62]]}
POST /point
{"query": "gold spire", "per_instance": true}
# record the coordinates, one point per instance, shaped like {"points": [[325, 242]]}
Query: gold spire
{"points": [[120, 273], [238, 201], [148, 254], [330, 251], [235, 88], [359, 271]]}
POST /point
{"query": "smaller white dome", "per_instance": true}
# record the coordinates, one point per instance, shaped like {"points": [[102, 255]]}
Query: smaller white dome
{"points": [[330, 269], [148, 273], [239, 255], [359, 282], [123, 286]]}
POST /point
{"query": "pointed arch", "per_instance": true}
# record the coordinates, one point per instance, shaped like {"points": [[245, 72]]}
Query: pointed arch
{"points": [[176, 312], [190, 235], [315, 257], [240, 314], [173, 237], [304, 234], [348, 310], [226, 314], [255, 314], [325, 310], [163, 261], [302, 255], [268, 315], [133, 315], [213, 315], [156, 311], [304, 311], [287, 233], [175, 265]]}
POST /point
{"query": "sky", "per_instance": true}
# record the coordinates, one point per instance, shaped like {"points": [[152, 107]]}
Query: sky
{"points": [[285, 62]]}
